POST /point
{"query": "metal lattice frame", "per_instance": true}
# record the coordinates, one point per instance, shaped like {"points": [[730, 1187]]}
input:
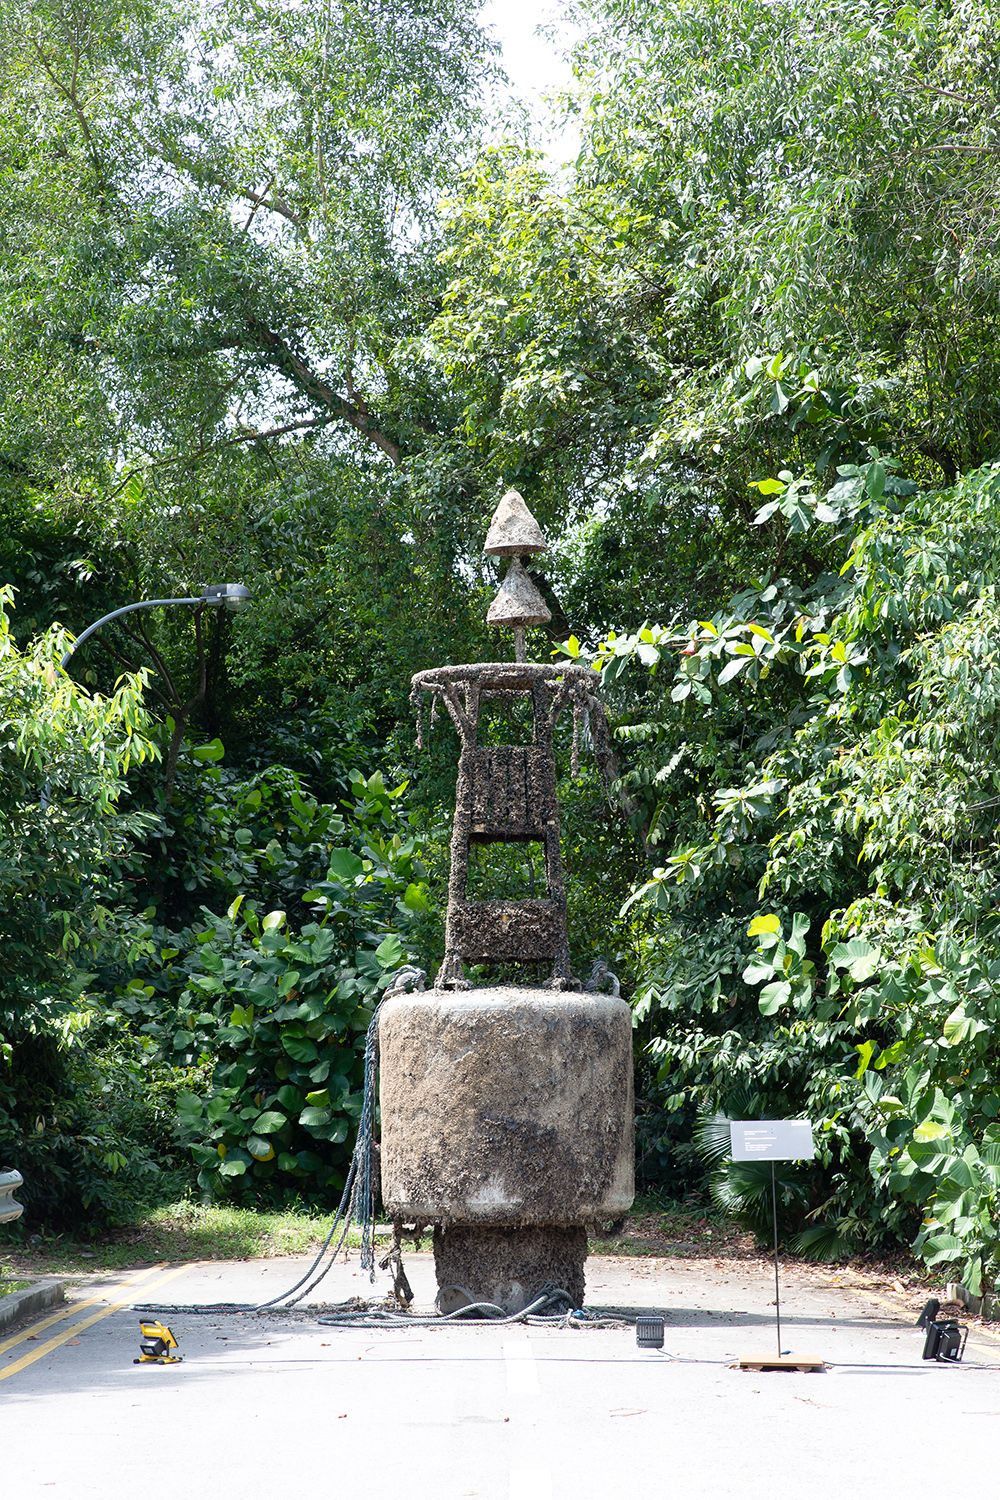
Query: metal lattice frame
{"points": [[507, 794]]}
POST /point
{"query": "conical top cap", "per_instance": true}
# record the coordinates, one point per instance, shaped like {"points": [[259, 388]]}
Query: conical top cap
{"points": [[513, 529], [518, 603]]}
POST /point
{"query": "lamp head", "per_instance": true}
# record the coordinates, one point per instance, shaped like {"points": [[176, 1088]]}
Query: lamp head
{"points": [[232, 595]]}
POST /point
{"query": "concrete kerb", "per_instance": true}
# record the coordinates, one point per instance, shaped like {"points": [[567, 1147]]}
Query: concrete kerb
{"points": [[30, 1300]]}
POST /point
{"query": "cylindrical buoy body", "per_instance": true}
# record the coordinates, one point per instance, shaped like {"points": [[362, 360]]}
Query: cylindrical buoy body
{"points": [[506, 1107]]}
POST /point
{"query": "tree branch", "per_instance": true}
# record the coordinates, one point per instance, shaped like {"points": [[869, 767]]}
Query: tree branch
{"points": [[201, 171], [69, 94], [130, 666], [297, 370], [251, 435], [161, 665]]}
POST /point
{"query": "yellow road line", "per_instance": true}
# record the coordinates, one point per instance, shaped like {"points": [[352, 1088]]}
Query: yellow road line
{"points": [[75, 1328], [74, 1307]]}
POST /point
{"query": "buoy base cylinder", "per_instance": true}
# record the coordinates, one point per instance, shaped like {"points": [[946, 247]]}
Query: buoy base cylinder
{"points": [[509, 1267]]}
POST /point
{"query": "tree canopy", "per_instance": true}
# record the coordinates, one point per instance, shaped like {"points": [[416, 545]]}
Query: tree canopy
{"points": [[280, 302]]}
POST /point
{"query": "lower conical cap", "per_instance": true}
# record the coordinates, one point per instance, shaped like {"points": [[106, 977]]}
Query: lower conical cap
{"points": [[513, 529], [518, 602]]}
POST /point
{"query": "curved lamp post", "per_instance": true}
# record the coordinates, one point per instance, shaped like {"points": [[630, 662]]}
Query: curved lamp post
{"points": [[232, 595]]}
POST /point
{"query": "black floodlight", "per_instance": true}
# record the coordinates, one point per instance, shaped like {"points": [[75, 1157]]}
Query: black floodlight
{"points": [[929, 1313], [649, 1333], [232, 595], [945, 1342], [156, 1344]]}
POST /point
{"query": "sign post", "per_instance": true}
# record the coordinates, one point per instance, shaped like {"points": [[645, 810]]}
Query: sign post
{"points": [[773, 1140]]}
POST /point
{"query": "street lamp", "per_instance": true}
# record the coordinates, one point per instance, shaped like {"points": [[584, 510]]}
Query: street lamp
{"points": [[232, 595]]}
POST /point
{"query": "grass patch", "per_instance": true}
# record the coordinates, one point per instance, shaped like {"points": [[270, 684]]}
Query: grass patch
{"points": [[180, 1232], [692, 1229]]}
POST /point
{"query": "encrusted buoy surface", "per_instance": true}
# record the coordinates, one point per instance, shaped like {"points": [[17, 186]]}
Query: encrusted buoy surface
{"points": [[506, 1107]]}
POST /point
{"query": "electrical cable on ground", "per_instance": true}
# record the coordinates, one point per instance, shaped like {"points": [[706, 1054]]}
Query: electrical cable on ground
{"points": [[489, 1312]]}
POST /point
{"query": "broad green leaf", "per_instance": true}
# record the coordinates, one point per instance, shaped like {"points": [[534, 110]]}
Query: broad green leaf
{"points": [[800, 931], [769, 486], [345, 866], [865, 1051], [390, 952], [972, 1275], [415, 897], [300, 1048], [732, 667], [942, 1247], [858, 957], [773, 997], [312, 1117], [958, 1026], [875, 481], [213, 751]]}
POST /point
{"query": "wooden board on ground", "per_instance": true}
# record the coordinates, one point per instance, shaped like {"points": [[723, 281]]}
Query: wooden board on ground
{"points": [[783, 1362]]}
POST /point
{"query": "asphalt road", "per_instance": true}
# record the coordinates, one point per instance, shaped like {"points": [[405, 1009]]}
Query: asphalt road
{"points": [[275, 1406]]}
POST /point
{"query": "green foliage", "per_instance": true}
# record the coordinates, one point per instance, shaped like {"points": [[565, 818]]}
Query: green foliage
{"points": [[87, 1115], [63, 838], [284, 1019], [869, 813], [273, 1009], [65, 847], [240, 340], [777, 240]]}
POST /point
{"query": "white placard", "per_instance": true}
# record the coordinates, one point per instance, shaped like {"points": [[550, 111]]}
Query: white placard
{"points": [[771, 1140]]}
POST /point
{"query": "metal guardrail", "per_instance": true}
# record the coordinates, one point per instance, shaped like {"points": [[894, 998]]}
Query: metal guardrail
{"points": [[9, 1207]]}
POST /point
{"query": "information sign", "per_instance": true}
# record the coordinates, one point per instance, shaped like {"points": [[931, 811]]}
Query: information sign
{"points": [[771, 1140]]}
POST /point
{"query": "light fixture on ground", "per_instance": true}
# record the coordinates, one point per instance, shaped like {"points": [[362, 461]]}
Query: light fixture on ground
{"points": [[232, 595], [649, 1333]]}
